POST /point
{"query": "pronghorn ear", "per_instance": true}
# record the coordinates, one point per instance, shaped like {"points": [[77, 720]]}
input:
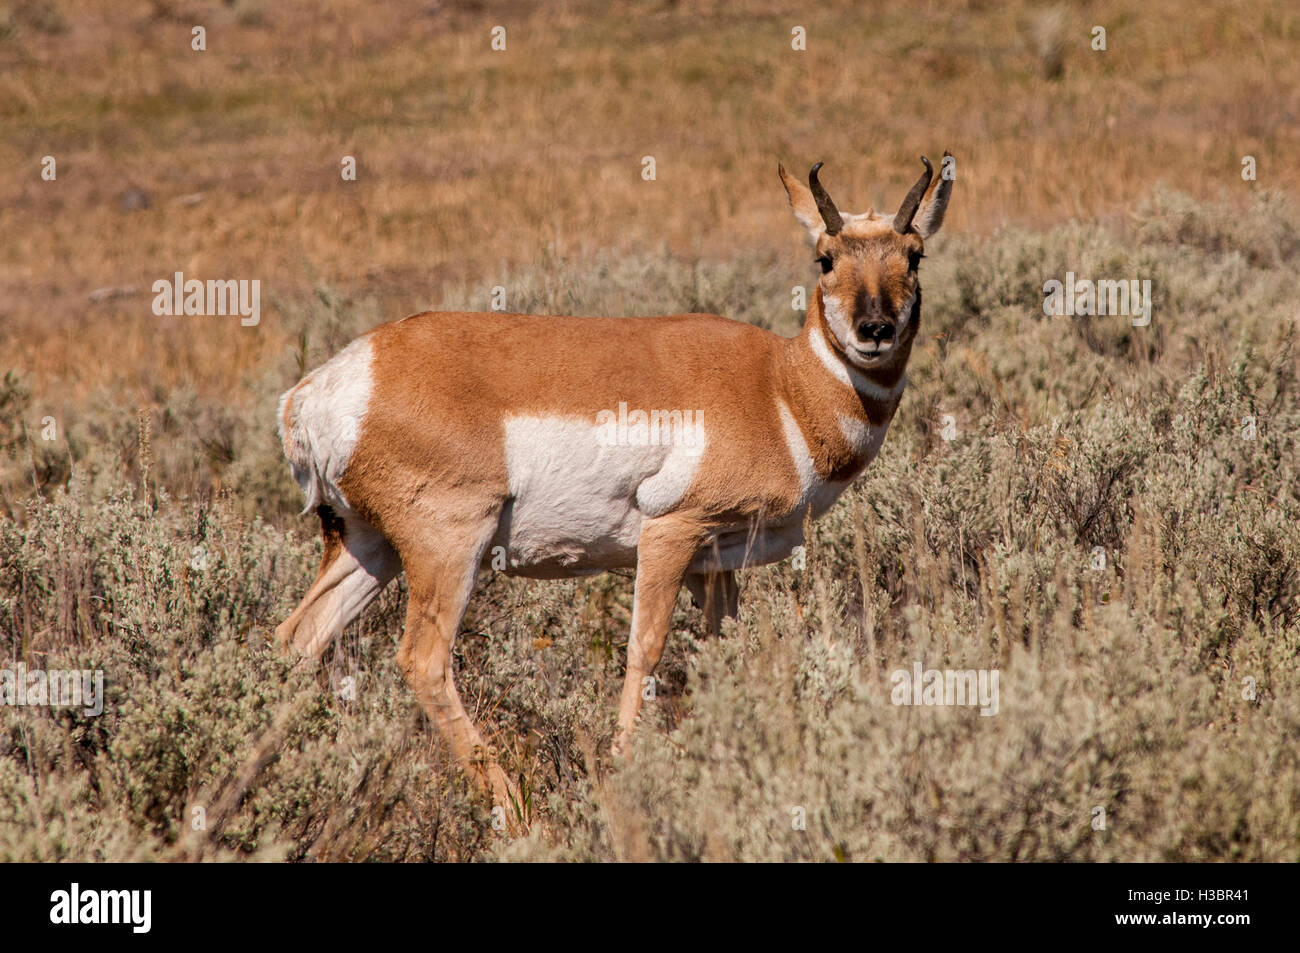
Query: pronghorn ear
{"points": [[803, 203], [930, 216]]}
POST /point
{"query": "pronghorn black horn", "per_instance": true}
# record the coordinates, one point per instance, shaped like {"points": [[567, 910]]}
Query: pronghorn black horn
{"points": [[830, 214], [903, 220]]}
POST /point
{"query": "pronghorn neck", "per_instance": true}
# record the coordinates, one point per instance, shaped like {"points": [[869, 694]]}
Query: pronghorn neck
{"points": [[842, 410]]}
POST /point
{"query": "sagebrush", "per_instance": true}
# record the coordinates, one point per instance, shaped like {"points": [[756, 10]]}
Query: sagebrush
{"points": [[1153, 687]]}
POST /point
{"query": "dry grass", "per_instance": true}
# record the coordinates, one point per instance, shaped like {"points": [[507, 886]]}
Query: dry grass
{"points": [[1122, 689], [471, 161]]}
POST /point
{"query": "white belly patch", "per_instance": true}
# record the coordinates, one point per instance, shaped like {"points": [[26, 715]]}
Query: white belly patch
{"points": [[580, 491]]}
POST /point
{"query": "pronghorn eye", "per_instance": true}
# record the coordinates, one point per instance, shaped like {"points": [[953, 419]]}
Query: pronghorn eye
{"points": [[825, 262], [914, 259]]}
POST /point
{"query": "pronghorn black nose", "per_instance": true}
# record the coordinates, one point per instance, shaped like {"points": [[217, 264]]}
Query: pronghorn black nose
{"points": [[875, 331]]}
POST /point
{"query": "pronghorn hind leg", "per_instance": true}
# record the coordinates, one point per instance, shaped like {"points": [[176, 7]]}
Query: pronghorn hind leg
{"points": [[717, 595], [664, 553], [440, 584], [358, 562]]}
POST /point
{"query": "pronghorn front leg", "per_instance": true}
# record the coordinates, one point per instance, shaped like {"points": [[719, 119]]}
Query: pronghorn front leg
{"points": [[664, 553]]}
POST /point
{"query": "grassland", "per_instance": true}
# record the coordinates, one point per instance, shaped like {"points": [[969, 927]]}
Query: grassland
{"points": [[156, 538]]}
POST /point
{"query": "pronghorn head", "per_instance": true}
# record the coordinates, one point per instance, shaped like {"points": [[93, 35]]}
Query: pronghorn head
{"points": [[871, 291]]}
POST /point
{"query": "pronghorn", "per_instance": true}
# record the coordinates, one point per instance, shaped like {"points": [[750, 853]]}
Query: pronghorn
{"points": [[432, 442]]}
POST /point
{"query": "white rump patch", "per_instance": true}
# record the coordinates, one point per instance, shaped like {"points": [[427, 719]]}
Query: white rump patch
{"points": [[325, 421]]}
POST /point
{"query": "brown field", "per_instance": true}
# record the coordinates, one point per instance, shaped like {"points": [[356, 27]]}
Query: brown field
{"points": [[1125, 688], [471, 162]]}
